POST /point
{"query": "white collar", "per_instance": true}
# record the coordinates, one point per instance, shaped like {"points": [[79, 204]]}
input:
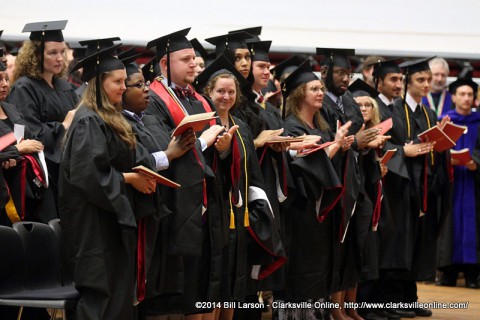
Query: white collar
{"points": [[411, 102]]}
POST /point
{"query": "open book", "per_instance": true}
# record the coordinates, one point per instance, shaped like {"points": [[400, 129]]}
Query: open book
{"points": [[195, 121], [463, 156], [7, 140], [159, 178], [387, 156], [444, 139], [306, 152], [384, 126]]}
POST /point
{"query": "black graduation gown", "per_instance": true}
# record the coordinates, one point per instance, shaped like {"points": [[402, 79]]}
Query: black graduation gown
{"points": [[151, 211], [347, 255], [310, 242], [272, 164], [97, 216], [254, 250], [193, 247], [44, 108]]}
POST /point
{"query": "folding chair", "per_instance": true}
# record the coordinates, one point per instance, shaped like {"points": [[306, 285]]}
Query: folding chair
{"points": [[30, 269]]}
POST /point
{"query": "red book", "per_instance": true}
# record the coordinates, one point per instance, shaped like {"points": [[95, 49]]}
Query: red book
{"points": [[387, 156], [454, 131], [463, 156], [435, 134], [195, 121], [7, 140], [158, 178], [384, 126], [306, 152]]}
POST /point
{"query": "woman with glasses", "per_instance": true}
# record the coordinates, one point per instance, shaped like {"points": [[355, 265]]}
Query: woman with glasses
{"points": [[152, 211], [309, 226]]}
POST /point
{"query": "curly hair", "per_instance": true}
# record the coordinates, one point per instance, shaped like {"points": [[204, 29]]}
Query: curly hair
{"points": [[212, 82], [28, 62], [295, 100], [109, 112]]}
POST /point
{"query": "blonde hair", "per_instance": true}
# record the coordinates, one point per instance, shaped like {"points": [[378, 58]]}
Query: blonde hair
{"points": [[28, 62], [293, 103], [110, 113], [375, 119]]}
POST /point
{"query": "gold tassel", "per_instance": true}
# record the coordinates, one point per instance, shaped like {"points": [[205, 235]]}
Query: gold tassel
{"points": [[232, 219], [246, 218], [232, 215], [12, 211]]}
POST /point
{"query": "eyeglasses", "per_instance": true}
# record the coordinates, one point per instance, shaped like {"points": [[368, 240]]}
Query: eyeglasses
{"points": [[366, 105], [342, 74], [140, 85], [316, 89]]}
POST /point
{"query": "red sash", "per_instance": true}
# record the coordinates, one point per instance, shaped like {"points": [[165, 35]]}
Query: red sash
{"points": [[177, 112], [171, 101]]}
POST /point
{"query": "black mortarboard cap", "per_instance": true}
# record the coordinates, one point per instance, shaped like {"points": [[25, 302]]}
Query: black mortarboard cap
{"points": [[463, 82], [360, 88], [46, 31], [288, 65], [299, 76], [259, 50], [229, 42], [128, 58], [199, 49], [150, 69], [218, 66], [170, 43], [98, 63], [95, 45], [382, 68], [254, 33], [413, 66], [336, 57]]}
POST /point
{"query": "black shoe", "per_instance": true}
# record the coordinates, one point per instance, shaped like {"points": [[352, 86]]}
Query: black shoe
{"points": [[372, 316], [385, 313], [422, 312], [471, 284], [446, 283], [403, 313]]}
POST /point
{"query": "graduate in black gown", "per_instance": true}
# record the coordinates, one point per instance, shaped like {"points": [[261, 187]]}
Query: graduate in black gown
{"points": [[252, 244], [172, 97], [309, 223], [339, 107], [96, 193], [45, 99], [152, 211], [408, 170]]}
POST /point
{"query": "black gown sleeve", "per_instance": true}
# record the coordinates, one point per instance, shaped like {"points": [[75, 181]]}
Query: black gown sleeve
{"points": [[87, 160]]}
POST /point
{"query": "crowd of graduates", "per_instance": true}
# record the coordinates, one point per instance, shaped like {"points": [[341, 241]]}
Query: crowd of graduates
{"points": [[303, 187]]}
